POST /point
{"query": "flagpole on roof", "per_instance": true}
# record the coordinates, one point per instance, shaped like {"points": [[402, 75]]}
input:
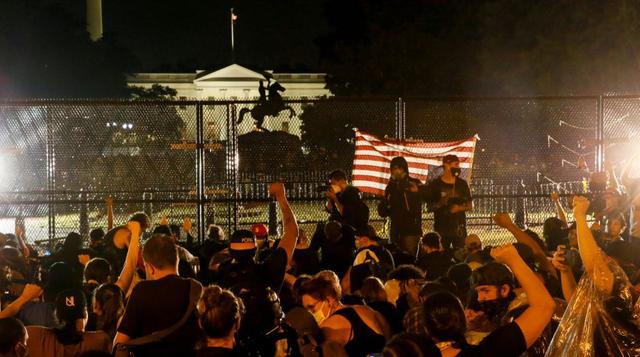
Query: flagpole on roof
{"points": [[233, 21]]}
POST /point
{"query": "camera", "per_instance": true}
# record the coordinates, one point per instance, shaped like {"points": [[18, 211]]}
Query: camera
{"points": [[325, 188], [572, 258]]}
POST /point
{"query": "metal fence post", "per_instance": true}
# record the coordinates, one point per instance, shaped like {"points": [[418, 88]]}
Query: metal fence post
{"points": [[51, 175], [200, 173], [400, 119], [232, 168], [84, 216], [599, 159]]}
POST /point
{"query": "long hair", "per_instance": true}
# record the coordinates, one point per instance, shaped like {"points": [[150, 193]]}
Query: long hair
{"points": [[444, 317], [108, 297], [71, 305]]}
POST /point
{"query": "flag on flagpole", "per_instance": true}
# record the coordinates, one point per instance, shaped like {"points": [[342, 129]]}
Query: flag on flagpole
{"points": [[373, 156], [234, 17]]}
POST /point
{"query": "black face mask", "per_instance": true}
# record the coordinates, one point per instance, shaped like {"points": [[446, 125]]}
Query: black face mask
{"points": [[456, 171], [494, 309], [243, 255]]}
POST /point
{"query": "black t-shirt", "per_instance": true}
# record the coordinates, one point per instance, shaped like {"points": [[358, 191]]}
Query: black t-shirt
{"points": [[270, 272], [158, 304], [434, 264], [390, 313], [305, 261], [506, 341], [336, 256], [439, 192], [217, 352], [355, 211], [114, 255]]}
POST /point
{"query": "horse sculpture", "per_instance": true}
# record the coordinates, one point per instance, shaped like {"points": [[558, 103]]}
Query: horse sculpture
{"points": [[267, 106]]}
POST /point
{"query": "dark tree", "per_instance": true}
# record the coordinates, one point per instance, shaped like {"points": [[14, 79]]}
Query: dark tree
{"points": [[46, 52], [500, 47]]}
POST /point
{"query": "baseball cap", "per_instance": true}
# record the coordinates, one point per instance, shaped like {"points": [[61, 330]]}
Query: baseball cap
{"points": [[447, 159], [242, 236], [71, 305]]}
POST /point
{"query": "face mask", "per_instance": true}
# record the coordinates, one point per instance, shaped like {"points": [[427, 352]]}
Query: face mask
{"points": [[494, 309], [398, 174], [318, 315], [243, 255], [456, 171]]}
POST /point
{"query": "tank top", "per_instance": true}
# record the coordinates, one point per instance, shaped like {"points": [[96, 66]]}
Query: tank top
{"points": [[364, 340]]}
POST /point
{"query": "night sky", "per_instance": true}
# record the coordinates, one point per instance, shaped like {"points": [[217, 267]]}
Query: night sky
{"points": [[194, 34]]}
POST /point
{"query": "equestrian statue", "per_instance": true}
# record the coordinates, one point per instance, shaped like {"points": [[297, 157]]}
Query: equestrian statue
{"points": [[270, 105]]}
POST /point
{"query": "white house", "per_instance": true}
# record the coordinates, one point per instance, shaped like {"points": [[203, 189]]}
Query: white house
{"points": [[236, 82]]}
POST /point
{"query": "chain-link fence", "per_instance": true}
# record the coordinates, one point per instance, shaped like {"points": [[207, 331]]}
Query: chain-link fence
{"points": [[60, 160]]}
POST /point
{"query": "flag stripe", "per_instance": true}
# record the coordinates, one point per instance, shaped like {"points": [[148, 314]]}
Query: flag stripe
{"points": [[373, 155], [383, 162]]}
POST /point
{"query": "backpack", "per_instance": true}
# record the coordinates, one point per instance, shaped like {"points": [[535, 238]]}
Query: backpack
{"points": [[370, 266]]}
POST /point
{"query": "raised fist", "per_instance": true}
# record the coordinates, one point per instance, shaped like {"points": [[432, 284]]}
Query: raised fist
{"points": [[504, 254], [580, 206], [503, 220]]}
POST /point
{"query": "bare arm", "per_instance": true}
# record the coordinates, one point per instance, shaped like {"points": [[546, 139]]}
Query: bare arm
{"points": [[503, 220], [559, 209], [613, 180], [30, 292], [109, 203], [592, 257], [129, 268], [121, 338], [289, 223], [536, 317], [24, 249]]}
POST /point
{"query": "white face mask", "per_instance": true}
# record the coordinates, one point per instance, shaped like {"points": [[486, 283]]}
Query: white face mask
{"points": [[318, 315]]}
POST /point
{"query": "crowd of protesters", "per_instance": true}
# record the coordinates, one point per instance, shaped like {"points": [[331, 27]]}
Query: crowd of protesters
{"points": [[338, 291]]}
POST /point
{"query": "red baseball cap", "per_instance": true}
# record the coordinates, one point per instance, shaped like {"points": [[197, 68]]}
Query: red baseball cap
{"points": [[260, 230]]}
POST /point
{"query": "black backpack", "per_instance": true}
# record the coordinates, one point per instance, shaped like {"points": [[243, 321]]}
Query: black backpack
{"points": [[369, 267]]}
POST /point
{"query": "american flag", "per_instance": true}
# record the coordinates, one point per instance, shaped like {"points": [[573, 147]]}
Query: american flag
{"points": [[373, 155]]}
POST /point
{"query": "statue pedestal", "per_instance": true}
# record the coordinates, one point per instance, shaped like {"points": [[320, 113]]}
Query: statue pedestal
{"points": [[270, 152]]}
